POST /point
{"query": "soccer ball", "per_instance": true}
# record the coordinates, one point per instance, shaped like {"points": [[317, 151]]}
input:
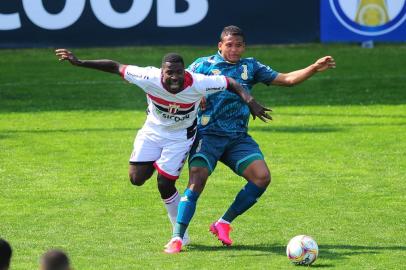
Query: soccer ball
{"points": [[302, 249]]}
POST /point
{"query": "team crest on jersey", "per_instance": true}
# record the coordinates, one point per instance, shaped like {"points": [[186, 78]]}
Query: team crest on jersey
{"points": [[216, 71], [204, 120], [173, 108]]}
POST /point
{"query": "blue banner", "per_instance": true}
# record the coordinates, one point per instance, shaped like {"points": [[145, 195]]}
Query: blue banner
{"points": [[362, 20], [73, 23]]}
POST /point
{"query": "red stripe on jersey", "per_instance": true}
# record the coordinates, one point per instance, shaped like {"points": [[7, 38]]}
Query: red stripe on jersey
{"points": [[122, 70], [228, 83], [167, 103], [167, 175], [188, 80]]}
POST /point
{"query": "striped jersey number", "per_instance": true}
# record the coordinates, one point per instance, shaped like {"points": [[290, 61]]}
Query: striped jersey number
{"points": [[244, 74]]}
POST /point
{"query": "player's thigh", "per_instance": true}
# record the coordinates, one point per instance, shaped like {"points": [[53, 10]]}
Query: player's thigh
{"points": [[145, 148], [207, 148], [241, 153], [172, 158]]}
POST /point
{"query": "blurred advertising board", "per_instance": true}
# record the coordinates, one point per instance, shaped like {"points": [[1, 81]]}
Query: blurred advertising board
{"points": [[362, 20]]}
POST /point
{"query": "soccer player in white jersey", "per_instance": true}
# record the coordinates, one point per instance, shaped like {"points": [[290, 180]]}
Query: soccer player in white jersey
{"points": [[173, 95]]}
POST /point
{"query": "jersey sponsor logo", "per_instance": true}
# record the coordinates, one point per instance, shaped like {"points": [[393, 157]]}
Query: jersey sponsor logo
{"points": [[137, 75], [369, 17], [215, 88], [176, 118]]}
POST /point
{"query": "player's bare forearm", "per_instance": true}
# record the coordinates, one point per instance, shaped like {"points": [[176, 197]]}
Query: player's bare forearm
{"points": [[298, 76], [256, 109], [102, 65], [236, 88], [301, 75]]}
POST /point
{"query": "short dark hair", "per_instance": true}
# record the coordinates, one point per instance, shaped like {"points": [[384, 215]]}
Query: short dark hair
{"points": [[233, 31], [172, 58], [5, 254], [55, 260]]}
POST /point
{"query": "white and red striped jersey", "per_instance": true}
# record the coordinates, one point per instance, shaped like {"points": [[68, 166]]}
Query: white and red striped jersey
{"points": [[168, 111]]}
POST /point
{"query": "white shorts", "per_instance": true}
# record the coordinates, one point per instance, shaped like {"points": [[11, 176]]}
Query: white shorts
{"points": [[169, 154]]}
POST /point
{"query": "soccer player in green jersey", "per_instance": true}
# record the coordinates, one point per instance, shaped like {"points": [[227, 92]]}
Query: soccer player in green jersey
{"points": [[222, 132]]}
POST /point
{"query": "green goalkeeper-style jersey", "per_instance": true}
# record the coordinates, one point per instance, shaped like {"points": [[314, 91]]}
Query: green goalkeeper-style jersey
{"points": [[226, 113]]}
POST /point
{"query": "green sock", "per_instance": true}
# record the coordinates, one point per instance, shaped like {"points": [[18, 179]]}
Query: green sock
{"points": [[180, 230], [246, 198]]}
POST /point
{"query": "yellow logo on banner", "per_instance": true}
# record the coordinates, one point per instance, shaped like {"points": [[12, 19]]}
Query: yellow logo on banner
{"points": [[372, 13], [370, 17]]}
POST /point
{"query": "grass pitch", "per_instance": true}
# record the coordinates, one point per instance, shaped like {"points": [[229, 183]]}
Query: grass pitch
{"points": [[336, 149]]}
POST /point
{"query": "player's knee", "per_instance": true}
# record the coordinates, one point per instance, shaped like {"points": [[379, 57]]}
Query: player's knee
{"points": [[197, 178], [137, 180], [198, 172], [166, 186], [266, 178], [263, 178]]}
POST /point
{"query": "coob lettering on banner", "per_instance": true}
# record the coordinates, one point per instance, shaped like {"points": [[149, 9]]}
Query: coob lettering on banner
{"points": [[105, 13]]}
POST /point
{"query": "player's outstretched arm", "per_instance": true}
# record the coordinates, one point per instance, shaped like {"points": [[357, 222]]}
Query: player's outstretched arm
{"points": [[103, 65], [257, 110], [298, 76]]}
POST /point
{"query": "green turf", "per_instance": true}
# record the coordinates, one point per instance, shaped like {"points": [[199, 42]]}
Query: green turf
{"points": [[336, 149]]}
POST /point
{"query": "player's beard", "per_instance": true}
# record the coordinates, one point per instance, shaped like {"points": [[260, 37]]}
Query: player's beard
{"points": [[175, 86]]}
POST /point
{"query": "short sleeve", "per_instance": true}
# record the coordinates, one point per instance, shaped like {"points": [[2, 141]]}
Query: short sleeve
{"points": [[198, 65], [264, 74], [137, 75], [210, 84]]}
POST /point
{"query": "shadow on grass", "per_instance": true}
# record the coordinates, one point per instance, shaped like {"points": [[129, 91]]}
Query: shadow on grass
{"points": [[74, 130], [352, 115], [331, 252], [337, 252], [53, 97], [3, 136], [318, 129], [295, 129]]}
